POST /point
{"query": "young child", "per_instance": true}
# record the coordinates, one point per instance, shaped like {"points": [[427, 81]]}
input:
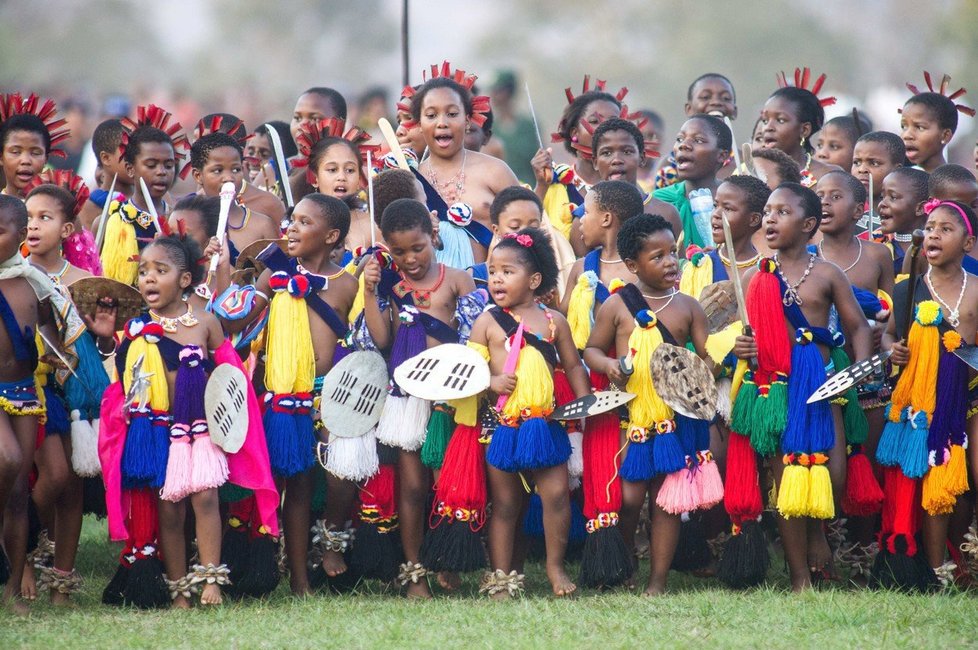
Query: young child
{"points": [[619, 151], [790, 117], [259, 157], [701, 150], [868, 268], [52, 218], [522, 268], [315, 104], [196, 216], [335, 168], [955, 183], [28, 135], [927, 431], [434, 304], [516, 208], [835, 141], [640, 317], [901, 210], [710, 94], [607, 206], [875, 155], [24, 290], [303, 336], [795, 289], [458, 189], [775, 167], [215, 159], [741, 199], [562, 188], [928, 121], [106, 145], [151, 154]]}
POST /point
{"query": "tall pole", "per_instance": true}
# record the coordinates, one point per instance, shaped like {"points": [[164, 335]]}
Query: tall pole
{"points": [[404, 42]]}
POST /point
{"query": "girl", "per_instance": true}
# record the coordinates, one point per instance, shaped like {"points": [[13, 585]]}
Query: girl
{"points": [[27, 135], [460, 184], [335, 168], [167, 450], [151, 147], [928, 121], [215, 159], [57, 494], [562, 189], [791, 115], [521, 269]]}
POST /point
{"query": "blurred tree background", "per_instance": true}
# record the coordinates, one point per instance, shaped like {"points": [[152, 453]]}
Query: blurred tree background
{"points": [[253, 57]]}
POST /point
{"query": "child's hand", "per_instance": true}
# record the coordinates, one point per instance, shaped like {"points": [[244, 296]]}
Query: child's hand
{"points": [[214, 247], [503, 384], [615, 375], [102, 324], [745, 347], [371, 275], [435, 224], [901, 354], [542, 164]]}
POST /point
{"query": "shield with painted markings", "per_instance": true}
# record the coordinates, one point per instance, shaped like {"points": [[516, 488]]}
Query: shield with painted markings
{"points": [[353, 395], [226, 406], [444, 372]]}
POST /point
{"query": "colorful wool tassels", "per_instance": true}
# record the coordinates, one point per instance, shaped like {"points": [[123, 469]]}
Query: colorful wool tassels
{"points": [[377, 553], [580, 310], [453, 542], [904, 438], [290, 369], [761, 407], [404, 420], [83, 391], [899, 564], [947, 477], [144, 456], [605, 561], [745, 559], [806, 487]]}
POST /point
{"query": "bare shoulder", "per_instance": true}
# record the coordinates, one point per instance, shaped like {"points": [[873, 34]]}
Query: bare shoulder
{"points": [[689, 304], [265, 202], [497, 173], [266, 225], [879, 252], [460, 279], [661, 208]]}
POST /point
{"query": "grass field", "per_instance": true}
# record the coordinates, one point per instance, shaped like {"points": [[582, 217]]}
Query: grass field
{"points": [[697, 612]]}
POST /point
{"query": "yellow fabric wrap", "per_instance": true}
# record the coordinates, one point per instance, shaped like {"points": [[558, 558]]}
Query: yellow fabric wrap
{"points": [[120, 252], [158, 397], [647, 408], [534, 386]]}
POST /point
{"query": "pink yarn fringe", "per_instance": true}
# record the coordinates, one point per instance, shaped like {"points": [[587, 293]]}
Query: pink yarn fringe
{"points": [[178, 470], [210, 466]]}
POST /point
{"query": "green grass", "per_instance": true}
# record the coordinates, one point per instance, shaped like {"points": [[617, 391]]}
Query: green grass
{"points": [[697, 612]]}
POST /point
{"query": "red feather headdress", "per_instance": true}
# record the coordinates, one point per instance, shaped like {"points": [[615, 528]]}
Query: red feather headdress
{"points": [[217, 123], [15, 104], [802, 78], [312, 132], [942, 90], [156, 117], [480, 103], [66, 180]]}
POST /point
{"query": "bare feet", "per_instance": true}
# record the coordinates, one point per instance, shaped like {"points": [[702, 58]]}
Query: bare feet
{"points": [[560, 582], [820, 555], [17, 606], [210, 595], [419, 590], [333, 563], [653, 590], [449, 580], [28, 583], [299, 587], [59, 599], [180, 602]]}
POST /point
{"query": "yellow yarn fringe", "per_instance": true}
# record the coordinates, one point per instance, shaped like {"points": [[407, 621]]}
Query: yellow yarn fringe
{"points": [[793, 495], [738, 379], [696, 278], [821, 505], [357, 307], [917, 384], [534, 385], [290, 362], [159, 390], [647, 408], [944, 483], [466, 410], [556, 204], [719, 345], [478, 347], [580, 309], [120, 250]]}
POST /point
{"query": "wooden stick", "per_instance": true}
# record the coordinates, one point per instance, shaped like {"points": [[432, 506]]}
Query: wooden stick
{"points": [[533, 114], [733, 142], [370, 200]]}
